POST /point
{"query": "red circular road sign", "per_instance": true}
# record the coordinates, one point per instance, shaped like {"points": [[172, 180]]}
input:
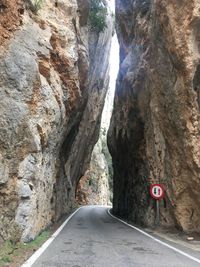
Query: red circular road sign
{"points": [[157, 191]]}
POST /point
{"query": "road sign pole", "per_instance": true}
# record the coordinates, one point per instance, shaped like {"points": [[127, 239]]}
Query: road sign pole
{"points": [[157, 222], [157, 193]]}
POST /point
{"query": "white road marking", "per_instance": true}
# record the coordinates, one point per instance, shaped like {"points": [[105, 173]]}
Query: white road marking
{"points": [[155, 239], [39, 252]]}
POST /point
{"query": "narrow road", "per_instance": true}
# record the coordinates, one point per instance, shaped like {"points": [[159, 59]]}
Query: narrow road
{"points": [[92, 238]]}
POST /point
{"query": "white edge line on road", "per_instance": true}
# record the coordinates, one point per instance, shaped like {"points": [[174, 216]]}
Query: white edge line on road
{"points": [[39, 252], [155, 239]]}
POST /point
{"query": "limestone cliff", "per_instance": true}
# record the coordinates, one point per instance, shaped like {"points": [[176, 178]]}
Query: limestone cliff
{"points": [[53, 81], [155, 130]]}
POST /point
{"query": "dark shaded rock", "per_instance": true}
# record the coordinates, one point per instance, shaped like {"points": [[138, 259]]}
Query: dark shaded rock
{"points": [[155, 129]]}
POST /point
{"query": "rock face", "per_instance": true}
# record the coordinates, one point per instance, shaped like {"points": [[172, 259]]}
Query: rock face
{"points": [[155, 130], [54, 77], [93, 188]]}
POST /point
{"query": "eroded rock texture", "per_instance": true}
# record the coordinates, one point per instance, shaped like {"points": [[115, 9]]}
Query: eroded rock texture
{"points": [[155, 130], [53, 79]]}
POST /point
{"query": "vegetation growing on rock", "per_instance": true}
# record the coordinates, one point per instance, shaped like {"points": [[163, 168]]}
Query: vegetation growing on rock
{"points": [[36, 5], [97, 16]]}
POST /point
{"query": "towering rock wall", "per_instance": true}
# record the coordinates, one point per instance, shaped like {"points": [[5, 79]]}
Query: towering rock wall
{"points": [[53, 79], [155, 130]]}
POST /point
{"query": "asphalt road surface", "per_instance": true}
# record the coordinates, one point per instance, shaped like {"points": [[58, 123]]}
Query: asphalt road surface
{"points": [[92, 238]]}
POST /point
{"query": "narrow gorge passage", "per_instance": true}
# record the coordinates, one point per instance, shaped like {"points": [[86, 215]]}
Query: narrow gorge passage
{"points": [[54, 78], [96, 186]]}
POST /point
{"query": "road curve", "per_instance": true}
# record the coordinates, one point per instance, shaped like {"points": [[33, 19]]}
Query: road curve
{"points": [[92, 238]]}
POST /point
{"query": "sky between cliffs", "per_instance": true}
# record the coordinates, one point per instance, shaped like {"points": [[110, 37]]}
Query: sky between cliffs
{"points": [[114, 67]]}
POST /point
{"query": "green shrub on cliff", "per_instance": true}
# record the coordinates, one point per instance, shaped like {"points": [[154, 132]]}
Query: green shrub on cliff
{"points": [[97, 15], [36, 5]]}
